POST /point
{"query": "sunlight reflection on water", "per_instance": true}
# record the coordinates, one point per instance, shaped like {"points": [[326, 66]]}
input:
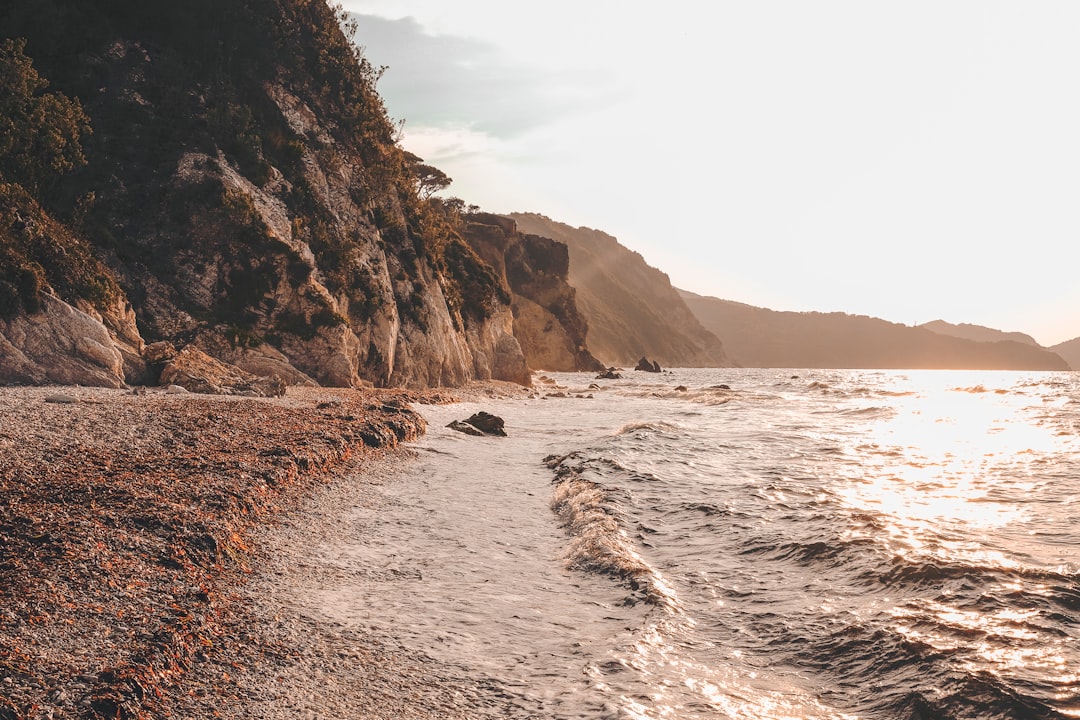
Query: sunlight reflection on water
{"points": [[953, 456]]}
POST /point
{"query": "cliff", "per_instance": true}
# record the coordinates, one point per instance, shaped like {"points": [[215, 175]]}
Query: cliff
{"points": [[631, 308], [547, 324], [758, 337], [225, 176]]}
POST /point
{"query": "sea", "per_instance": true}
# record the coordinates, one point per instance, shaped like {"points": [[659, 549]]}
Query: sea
{"points": [[739, 543]]}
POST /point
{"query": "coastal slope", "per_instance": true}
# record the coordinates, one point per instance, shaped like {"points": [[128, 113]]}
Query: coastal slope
{"points": [[758, 337], [978, 333], [1070, 350]]}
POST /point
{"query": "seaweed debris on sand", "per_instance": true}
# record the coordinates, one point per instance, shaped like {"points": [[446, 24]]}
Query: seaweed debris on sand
{"points": [[128, 524]]}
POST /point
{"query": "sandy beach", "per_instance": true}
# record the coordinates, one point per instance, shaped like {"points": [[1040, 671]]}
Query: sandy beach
{"points": [[148, 556]]}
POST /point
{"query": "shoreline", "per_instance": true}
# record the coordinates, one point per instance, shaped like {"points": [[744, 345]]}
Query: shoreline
{"points": [[143, 538]]}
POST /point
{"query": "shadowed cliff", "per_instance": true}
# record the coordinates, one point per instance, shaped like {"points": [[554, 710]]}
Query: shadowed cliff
{"points": [[547, 324], [631, 308]]}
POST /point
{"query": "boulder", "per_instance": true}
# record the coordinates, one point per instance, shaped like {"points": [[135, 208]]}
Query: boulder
{"points": [[487, 423], [260, 358], [482, 423], [609, 374], [464, 427], [197, 372], [59, 344], [646, 365]]}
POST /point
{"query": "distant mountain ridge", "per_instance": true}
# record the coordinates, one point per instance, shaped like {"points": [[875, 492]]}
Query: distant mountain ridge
{"points": [[978, 333], [631, 308], [759, 337]]}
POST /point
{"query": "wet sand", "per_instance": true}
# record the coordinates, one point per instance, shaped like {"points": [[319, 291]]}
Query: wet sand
{"points": [[151, 556]]}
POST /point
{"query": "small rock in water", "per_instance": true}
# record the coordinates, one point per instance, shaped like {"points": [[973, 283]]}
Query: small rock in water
{"points": [[487, 423], [681, 388], [60, 398], [648, 365]]}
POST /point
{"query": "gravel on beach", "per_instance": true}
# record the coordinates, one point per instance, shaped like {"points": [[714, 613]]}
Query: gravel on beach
{"points": [[141, 574]]}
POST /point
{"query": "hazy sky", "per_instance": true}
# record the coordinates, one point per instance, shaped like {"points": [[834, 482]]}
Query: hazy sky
{"points": [[908, 160]]}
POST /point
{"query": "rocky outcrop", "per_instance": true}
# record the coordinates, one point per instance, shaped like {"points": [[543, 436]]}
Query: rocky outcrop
{"points": [[257, 358], [631, 308], [546, 321], [58, 344], [481, 423], [197, 372], [646, 365]]}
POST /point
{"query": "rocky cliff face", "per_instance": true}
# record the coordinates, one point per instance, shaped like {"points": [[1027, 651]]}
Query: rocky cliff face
{"points": [[631, 308], [243, 193], [546, 321]]}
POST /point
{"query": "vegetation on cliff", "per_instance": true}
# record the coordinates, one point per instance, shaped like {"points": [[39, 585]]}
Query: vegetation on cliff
{"points": [[228, 168], [547, 323]]}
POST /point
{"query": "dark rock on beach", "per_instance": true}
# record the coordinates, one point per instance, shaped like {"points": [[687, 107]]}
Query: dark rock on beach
{"points": [[464, 427], [481, 423]]}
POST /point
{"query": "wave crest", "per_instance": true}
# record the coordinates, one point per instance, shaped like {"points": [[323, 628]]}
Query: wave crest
{"points": [[589, 513]]}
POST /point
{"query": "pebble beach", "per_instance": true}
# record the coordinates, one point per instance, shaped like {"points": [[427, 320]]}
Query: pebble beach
{"points": [[147, 546]]}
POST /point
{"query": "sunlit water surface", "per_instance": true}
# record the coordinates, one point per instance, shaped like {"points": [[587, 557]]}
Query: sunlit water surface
{"points": [[797, 544]]}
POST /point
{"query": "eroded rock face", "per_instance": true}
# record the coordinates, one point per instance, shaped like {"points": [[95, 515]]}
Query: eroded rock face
{"points": [[631, 307], [546, 321], [197, 372], [259, 359], [58, 344]]}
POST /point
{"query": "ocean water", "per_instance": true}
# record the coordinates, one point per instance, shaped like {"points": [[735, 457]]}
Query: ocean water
{"points": [[762, 544]]}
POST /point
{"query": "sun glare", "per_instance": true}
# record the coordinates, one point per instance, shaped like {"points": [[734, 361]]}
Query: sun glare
{"points": [[954, 456]]}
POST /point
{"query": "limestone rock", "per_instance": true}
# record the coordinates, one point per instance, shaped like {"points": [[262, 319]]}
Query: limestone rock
{"points": [[61, 345], [631, 308], [197, 372], [547, 326], [260, 359]]}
